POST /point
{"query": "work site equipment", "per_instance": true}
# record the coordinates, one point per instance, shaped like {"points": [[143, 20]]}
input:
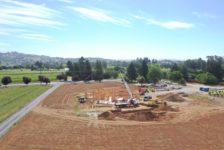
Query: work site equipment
{"points": [[127, 87], [81, 99], [204, 89], [153, 103], [147, 97], [218, 93]]}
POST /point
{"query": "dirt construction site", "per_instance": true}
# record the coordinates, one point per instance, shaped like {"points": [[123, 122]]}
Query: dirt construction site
{"points": [[182, 119]]}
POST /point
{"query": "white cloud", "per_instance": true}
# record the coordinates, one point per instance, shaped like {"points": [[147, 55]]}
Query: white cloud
{"points": [[167, 25], [99, 15], [66, 1], [21, 13], [3, 33], [18, 17], [204, 15], [35, 36]]}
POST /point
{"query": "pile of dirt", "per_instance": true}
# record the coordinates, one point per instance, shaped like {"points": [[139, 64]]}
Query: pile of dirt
{"points": [[138, 115], [164, 107], [172, 97], [108, 115], [144, 116]]}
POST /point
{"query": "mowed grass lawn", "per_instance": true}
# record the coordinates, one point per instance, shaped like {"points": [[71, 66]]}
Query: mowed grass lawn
{"points": [[13, 99], [17, 74]]}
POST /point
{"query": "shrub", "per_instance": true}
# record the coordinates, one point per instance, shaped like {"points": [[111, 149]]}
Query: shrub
{"points": [[182, 81], [207, 78], [6, 80], [41, 78], [26, 80], [176, 76], [140, 79], [107, 75], [46, 80], [75, 78], [61, 77]]}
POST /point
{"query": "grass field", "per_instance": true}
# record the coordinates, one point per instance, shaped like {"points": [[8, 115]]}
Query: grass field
{"points": [[17, 74], [13, 99]]}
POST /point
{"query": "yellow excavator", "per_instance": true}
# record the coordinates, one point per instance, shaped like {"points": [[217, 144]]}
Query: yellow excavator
{"points": [[153, 103]]}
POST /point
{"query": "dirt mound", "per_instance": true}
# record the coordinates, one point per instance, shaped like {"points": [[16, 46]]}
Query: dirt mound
{"points": [[172, 97], [137, 115], [164, 107], [108, 115], [145, 116]]}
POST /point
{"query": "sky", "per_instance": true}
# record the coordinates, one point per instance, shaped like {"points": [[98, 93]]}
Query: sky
{"points": [[116, 29]]}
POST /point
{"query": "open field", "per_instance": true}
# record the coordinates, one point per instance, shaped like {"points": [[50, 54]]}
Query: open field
{"points": [[54, 124], [13, 99], [17, 74]]}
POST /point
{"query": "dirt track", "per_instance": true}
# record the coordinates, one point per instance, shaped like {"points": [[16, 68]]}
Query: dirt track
{"points": [[52, 126]]}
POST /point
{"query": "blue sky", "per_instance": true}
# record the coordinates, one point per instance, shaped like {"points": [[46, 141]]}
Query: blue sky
{"points": [[118, 29]]}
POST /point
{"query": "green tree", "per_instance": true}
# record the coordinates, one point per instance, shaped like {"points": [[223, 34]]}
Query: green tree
{"points": [[98, 76], [207, 78], [6, 80], [144, 69], [176, 76], [165, 73], [184, 71], [214, 66], [39, 65], [70, 67], [61, 76], [46, 80], [175, 67], [131, 72], [155, 73], [82, 68], [76, 72], [88, 71], [41, 78], [141, 79], [26, 80]]}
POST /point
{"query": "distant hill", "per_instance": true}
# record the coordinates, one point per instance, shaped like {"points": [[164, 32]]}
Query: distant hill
{"points": [[15, 58]]}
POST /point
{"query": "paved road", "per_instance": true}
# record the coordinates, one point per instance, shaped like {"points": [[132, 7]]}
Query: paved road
{"points": [[7, 124], [31, 84], [189, 89]]}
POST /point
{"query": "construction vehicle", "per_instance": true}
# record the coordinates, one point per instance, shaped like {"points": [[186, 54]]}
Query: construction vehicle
{"points": [[121, 104], [204, 89], [153, 103], [82, 99], [147, 97], [125, 104]]}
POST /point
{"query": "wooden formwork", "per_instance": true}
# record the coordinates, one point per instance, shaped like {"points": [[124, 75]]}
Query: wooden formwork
{"points": [[105, 93]]}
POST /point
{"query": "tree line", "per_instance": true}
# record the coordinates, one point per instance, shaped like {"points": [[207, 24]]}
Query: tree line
{"points": [[86, 71], [209, 71], [26, 80]]}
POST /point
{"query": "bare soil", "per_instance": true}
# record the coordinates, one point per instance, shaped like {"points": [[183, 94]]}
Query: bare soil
{"points": [[53, 126], [177, 97]]}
